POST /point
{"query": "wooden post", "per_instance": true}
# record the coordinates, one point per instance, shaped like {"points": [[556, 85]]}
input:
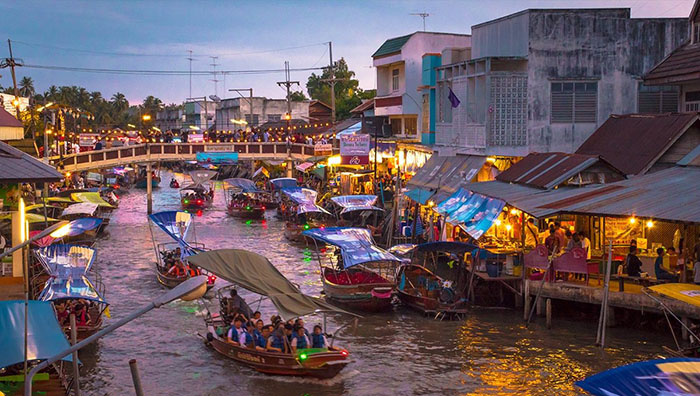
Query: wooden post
{"points": [[540, 306], [76, 370], [549, 313], [149, 189], [603, 320], [526, 311], [135, 375], [684, 329]]}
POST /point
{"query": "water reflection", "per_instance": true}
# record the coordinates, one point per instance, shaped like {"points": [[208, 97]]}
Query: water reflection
{"points": [[396, 353]]}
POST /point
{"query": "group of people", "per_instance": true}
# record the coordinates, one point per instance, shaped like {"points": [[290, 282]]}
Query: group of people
{"points": [[199, 195], [248, 329], [243, 201], [558, 239], [174, 266], [80, 307], [633, 265]]}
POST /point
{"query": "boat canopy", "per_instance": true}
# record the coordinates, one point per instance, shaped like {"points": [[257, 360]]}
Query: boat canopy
{"points": [[351, 203], [202, 176], [30, 217], [686, 292], [284, 182], [60, 200], [649, 378], [60, 255], [70, 283], [82, 208], [173, 222], [356, 244], [473, 212], [78, 226], [305, 199], [257, 274], [245, 185], [402, 249], [91, 197], [45, 338]]}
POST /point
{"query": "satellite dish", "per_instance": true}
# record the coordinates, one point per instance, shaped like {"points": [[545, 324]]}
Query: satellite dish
{"points": [[215, 98]]}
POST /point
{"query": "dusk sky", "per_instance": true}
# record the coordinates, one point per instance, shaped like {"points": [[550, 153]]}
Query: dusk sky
{"points": [[245, 35]]}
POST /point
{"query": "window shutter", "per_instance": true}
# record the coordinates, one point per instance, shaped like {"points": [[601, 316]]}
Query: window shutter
{"points": [[562, 104]]}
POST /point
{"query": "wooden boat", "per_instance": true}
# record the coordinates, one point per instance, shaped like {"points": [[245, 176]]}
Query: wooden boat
{"points": [[244, 199], [299, 208], [258, 275], [435, 281], [200, 194], [355, 272], [142, 179]]}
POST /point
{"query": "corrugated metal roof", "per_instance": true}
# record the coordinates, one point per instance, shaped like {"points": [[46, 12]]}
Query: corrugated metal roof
{"points": [[424, 175], [682, 64], [633, 142], [547, 170], [391, 46], [8, 120], [366, 105], [19, 167], [671, 194]]}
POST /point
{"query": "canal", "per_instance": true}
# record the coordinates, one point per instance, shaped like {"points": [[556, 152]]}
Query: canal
{"points": [[397, 353]]}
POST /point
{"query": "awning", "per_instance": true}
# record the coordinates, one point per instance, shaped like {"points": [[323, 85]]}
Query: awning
{"points": [[261, 171], [304, 166], [91, 197], [245, 185], [305, 199], [356, 244], [283, 182], [174, 223], [30, 217], [202, 176], [79, 226], [59, 255], [457, 172], [650, 378], [351, 203], [83, 208], [45, 338], [419, 195], [475, 213], [351, 130], [70, 284], [424, 176], [256, 273]]}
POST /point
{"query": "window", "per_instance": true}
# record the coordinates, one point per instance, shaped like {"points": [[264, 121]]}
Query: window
{"points": [[274, 117], [444, 104], [255, 119], [692, 101], [696, 32], [411, 126], [507, 123], [657, 99], [395, 80], [574, 102]]}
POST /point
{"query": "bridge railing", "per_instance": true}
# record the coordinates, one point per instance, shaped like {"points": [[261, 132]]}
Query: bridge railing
{"points": [[174, 151]]}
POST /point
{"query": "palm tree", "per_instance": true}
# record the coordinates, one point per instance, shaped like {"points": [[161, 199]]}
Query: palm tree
{"points": [[119, 102], [26, 87]]}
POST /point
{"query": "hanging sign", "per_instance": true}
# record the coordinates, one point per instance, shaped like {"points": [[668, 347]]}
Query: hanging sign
{"points": [[323, 149], [354, 149]]}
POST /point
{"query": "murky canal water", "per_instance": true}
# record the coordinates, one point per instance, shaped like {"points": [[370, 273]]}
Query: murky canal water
{"points": [[398, 353]]}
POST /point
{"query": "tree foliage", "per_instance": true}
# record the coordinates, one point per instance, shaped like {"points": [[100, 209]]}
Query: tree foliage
{"points": [[348, 93]]}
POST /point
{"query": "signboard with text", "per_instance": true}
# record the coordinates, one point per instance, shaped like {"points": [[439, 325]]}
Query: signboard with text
{"points": [[218, 148], [323, 149], [354, 149], [195, 138]]}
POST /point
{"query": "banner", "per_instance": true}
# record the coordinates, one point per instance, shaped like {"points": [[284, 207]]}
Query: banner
{"points": [[217, 158], [195, 138], [354, 149], [323, 149], [218, 148]]}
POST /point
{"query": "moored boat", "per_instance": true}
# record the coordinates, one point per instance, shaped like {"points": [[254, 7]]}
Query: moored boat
{"points": [[356, 210], [142, 179], [355, 272], [255, 273], [299, 208]]}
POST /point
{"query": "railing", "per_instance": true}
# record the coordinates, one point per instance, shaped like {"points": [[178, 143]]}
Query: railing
{"points": [[180, 151]]}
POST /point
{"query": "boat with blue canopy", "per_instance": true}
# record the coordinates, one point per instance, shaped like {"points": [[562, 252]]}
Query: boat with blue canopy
{"points": [[57, 256], [435, 279], [45, 339], [172, 266], [244, 199], [356, 210], [355, 272], [675, 376], [299, 208]]}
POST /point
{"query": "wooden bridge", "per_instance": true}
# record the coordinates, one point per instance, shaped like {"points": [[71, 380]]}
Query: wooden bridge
{"points": [[156, 152]]}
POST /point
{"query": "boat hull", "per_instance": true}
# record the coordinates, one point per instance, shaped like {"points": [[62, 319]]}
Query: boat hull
{"points": [[318, 365], [253, 213], [143, 183], [171, 282], [367, 297]]}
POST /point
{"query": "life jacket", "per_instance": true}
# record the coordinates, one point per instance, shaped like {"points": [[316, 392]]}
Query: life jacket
{"points": [[248, 338], [192, 271], [317, 341], [259, 339], [277, 342], [81, 319], [301, 342]]}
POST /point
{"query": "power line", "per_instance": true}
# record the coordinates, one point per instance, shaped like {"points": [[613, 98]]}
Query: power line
{"points": [[164, 72]]}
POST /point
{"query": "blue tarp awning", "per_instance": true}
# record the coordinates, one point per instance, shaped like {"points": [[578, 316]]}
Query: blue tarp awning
{"points": [[53, 257], [475, 213], [419, 195], [174, 223], [45, 338], [305, 199], [676, 376], [245, 185], [356, 244], [283, 182], [217, 158], [351, 203], [70, 284]]}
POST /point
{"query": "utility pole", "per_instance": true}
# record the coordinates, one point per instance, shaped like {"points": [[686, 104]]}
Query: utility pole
{"points": [[216, 81], [332, 81], [250, 102], [288, 117], [422, 15], [190, 59], [11, 62]]}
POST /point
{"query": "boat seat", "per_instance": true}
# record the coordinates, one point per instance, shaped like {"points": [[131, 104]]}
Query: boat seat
{"points": [[354, 278]]}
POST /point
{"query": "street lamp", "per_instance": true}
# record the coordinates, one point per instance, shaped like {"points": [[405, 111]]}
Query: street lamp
{"points": [[146, 117], [187, 290]]}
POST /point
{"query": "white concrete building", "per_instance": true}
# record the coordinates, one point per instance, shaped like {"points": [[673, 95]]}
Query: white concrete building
{"points": [[399, 64], [264, 110]]}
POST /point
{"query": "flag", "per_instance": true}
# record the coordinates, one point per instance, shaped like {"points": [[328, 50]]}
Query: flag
{"points": [[453, 98]]}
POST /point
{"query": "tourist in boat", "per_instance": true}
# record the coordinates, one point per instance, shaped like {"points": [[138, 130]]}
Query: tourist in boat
{"points": [[318, 340], [633, 263], [261, 341], [82, 317], [62, 313], [236, 304], [256, 317], [288, 335], [246, 337], [276, 342], [661, 273], [234, 333], [300, 322], [178, 269], [257, 332], [299, 339]]}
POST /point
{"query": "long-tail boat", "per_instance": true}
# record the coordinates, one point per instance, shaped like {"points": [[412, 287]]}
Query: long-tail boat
{"points": [[200, 194], [244, 199], [299, 208]]}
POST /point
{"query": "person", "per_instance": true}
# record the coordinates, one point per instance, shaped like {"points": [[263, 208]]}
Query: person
{"points": [[552, 242], [530, 233], [236, 303], [318, 340], [178, 269], [661, 273], [560, 234], [574, 242], [257, 333], [234, 333], [300, 322], [256, 317], [585, 243], [299, 339], [261, 341], [288, 334], [633, 263], [246, 336], [82, 317], [275, 342], [62, 314]]}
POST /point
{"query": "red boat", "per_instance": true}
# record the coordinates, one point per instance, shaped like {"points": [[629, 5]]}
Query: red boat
{"points": [[243, 199], [200, 194]]}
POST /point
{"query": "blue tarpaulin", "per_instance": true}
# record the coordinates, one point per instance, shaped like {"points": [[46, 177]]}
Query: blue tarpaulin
{"points": [[283, 182], [45, 338], [351, 203], [419, 195], [70, 284], [78, 226], [677, 376], [217, 158], [305, 199], [453, 202], [175, 224], [245, 185], [475, 213], [356, 244], [53, 257]]}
